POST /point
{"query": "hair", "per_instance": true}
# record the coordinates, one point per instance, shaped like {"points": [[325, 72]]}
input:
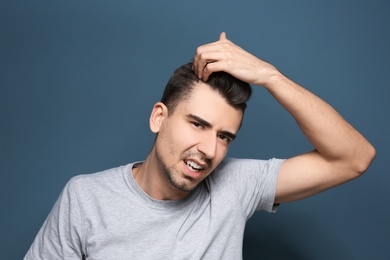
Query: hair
{"points": [[180, 85]]}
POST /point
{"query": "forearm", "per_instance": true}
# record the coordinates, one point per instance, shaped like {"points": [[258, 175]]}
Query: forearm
{"points": [[333, 137]]}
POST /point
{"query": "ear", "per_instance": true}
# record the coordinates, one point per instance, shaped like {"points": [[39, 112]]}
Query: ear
{"points": [[159, 112]]}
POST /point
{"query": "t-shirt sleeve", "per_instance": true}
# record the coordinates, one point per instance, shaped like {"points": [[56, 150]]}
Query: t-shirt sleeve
{"points": [[252, 183], [60, 237]]}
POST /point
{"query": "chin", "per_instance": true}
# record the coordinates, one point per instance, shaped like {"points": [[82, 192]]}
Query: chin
{"points": [[186, 185]]}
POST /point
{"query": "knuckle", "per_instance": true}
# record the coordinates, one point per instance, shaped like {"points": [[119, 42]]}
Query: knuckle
{"points": [[199, 51], [201, 55], [226, 45]]}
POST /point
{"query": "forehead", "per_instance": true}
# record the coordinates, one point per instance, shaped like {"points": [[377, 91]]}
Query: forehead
{"points": [[208, 104]]}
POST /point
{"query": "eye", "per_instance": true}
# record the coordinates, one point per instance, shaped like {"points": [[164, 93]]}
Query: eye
{"points": [[225, 138], [197, 125]]}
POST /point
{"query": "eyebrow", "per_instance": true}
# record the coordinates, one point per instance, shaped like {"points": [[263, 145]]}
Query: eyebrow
{"points": [[209, 125]]}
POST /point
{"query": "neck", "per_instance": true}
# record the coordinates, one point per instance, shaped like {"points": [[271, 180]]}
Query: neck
{"points": [[151, 179]]}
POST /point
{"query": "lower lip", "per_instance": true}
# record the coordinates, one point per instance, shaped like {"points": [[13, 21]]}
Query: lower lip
{"points": [[190, 172]]}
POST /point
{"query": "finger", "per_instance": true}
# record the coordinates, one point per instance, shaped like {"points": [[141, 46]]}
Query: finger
{"points": [[199, 62], [212, 67], [222, 36], [194, 64], [206, 58]]}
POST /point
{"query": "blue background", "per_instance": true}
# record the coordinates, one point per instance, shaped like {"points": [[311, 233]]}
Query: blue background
{"points": [[78, 80]]}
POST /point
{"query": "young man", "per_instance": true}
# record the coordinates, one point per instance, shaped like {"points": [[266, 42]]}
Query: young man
{"points": [[186, 201]]}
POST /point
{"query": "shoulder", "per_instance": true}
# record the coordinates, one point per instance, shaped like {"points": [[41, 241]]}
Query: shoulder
{"points": [[249, 182], [97, 176], [230, 165], [99, 182], [243, 172]]}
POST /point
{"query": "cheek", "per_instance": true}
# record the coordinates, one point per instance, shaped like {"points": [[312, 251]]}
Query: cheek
{"points": [[172, 149], [175, 139]]}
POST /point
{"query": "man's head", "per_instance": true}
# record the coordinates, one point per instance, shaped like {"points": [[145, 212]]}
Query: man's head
{"points": [[181, 84], [195, 123]]}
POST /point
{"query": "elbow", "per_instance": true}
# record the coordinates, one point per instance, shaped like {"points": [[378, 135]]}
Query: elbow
{"points": [[365, 159]]}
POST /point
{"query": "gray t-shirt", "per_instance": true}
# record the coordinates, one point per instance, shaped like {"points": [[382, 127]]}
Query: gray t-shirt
{"points": [[106, 215]]}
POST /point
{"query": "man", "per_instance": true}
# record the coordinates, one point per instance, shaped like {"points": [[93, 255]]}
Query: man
{"points": [[186, 201]]}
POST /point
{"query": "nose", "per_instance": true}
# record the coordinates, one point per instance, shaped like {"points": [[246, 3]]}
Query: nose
{"points": [[208, 146]]}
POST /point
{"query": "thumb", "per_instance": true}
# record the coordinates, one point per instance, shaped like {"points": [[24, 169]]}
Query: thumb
{"points": [[222, 36]]}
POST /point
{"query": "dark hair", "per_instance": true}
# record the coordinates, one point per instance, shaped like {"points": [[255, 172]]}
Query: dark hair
{"points": [[181, 83]]}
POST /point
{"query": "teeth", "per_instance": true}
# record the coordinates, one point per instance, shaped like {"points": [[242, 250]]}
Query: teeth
{"points": [[194, 165]]}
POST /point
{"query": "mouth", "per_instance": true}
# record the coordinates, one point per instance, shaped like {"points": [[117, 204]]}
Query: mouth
{"points": [[194, 166]]}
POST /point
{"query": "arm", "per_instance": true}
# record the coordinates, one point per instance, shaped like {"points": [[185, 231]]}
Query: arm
{"points": [[341, 152]]}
